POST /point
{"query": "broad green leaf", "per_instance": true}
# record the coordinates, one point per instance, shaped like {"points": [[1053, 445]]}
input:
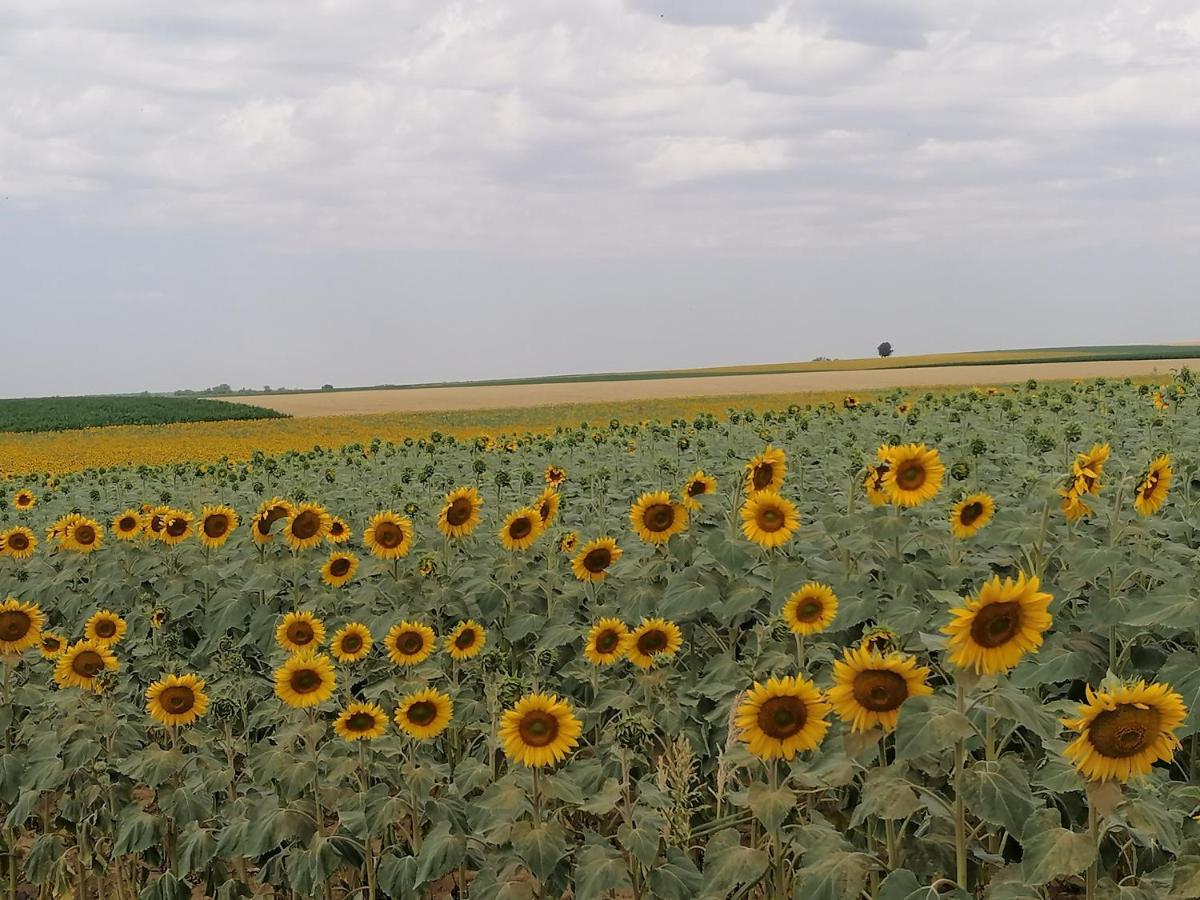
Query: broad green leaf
{"points": [[838, 875], [136, 831], [441, 851], [885, 795], [1051, 850], [599, 873], [771, 807], [397, 877], [998, 792], [542, 846], [728, 865], [44, 857], [928, 726], [197, 847], [640, 840], [676, 878], [903, 885]]}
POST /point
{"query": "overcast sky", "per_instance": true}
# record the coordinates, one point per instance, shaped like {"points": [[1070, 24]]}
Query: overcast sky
{"points": [[295, 192]]}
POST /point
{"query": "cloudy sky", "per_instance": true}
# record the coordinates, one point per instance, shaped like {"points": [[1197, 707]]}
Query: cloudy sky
{"points": [[294, 191]]}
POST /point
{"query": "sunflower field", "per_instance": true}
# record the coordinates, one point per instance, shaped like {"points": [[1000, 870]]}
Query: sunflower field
{"points": [[924, 646]]}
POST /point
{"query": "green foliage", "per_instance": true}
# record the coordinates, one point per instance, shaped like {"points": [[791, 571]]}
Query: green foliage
{"points": [[64, 413]]}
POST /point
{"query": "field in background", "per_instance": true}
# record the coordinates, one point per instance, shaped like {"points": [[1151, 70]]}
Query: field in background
{"points": [[59, 413]]}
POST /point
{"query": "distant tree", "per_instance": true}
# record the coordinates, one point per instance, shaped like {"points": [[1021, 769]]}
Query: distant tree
{"points": [[266, 387], [221, 389], [327, 387], [885, 349]]}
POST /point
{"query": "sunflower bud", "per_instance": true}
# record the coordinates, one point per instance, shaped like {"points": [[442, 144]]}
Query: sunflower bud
{"points": [[960, 471], [634, 732]]}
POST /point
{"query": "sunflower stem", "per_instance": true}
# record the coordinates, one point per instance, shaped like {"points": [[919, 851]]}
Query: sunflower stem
{"points": [[960, 810], [780, 886], [368, 857], [1094, 836], [800, 655], [537, 795]]}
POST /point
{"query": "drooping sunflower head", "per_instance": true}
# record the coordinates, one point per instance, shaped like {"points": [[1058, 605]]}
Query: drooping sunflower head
{"points": [[991, 632], [84, 665], [869, 687], [769, 519], [914, 474], [18, 542], [606, 642], [388, 535], [176, 700], [217, 523], [880, 639], [520, 529], [339, 568], [766, 471], [53, 645], [339, 531], [873, 483], [595, 558], [270, 512], [307, 526], [351, 643], [1160, 401], [300, 632], [1073, 506], [696, 488], [1124, 730], [904, 407], [539, 730], [158, 617], [460, 513], [810, 609], [83, 535], [567, 542], [970, 514], [1152, 491], [306, 679], [1088, 469], [20, 626], [466, 640], [555, 475], [547, 505], [653, 641], [24, 499], [128, 524], [850, 402], [781, 718], [656, 517], [360, 722], [105, 627], [410, 643], [425, 714]]}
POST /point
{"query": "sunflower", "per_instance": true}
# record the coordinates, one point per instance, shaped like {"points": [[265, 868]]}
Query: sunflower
{"points": [[914, 474], [810, 609], [158, 618], [351, 642], [765, 472], [782, 718], [547, 506], [83, 664], [20, 626], [555, 475], [521, 529], [460, 512], [869, 688], [300, 632], [388, 535], [1160, 402], [1124, 730], [425, 714], [24, 499], [655, 517], [360, 722], [991, 632], [56, 531], [873, 484], [155, 519], [307, 526], [652, 641], [1089, 467], [1073, 505], [52, 645], [904, 408], [466, 640], [567, 542], [595, 558], [268, 514], [306, 679], [177, 700], [539, 730], [18, 542], [177, 527], [339, 531], [83, 535], [698, 485], [970, 514], [1152, 492], [850, 402], [768, 519], [128, 524], [217, 523], [606, 642], [339, 568], [410, 643], [105, 627]]}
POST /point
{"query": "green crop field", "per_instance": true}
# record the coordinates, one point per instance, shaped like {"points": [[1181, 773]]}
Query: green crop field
{"points": [[61, 413]]}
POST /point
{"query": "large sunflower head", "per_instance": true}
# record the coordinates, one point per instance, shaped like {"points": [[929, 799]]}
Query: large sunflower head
{"points": [[697, 487], [83, 535], [990, 633], [460, 513], [18, 542], [594, 559], [410, 643], [351, 643], [177, 527], [466, 640], [300, 632], [606, 642], [653, 641], [1152, 492], [873, 483], [24, 499], [270, 512], [768, 519], [177, 700], [765, 472], [869, 688], [970, 514], [339, 568], [339, 531], [1124, 730], [781, 718], [914, 474], [52, 645], [217, 523], [810, 609], [656, 517], [360, 722], [539, 730], [520, 529], [20, 626], [307, 526], [555, 475], [1089, 468], [547, 505], [425, 714], [127, 525], [84, 665], [306, 679], [388, 535]]}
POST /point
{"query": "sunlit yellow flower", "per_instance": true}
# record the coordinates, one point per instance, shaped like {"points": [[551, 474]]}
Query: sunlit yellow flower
{"points": [[360, 722], [83, 535], [306, 679], [18, 542], [990, 633], [655, 517], [217, 523], [540, 730], [547, 506], [520, 529], [555, 475], [914, 474], [339, 531], [425, 714], [53, 645], [300, 632], [307, 526], [970, 514], [268, 514], [388, 535], [24, 499], [460, 513], [810, 609], [653, 641], [128, 524], [781, 718], [83, 665], [176, 700], [409, 643], [20, 626], [339, 568], [351, 643], [595, 558], [1125, 730], [1088, 469], [869, 688], [606, 642], [765, 472], [466, 640], [1152, 492], [768, 519], [697, 486]]}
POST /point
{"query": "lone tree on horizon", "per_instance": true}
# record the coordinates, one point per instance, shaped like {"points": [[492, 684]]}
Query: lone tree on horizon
{"points": [[885, 349]]}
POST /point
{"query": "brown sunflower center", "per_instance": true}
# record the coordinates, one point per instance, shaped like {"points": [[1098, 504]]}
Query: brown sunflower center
{"points": [[465, 639], [696, 488], [14, 624], [545, 509], [762, 475], [520, 528], [1124, 731], [459, 512], [177, 699], [216, 525], [971, 513], [87, 663], [996, 624], [770, 518], [50, 644], [306, 525], [305, 681], [18, 541], [127, 524], [177, 527], [410, 643], [538, 728], [24, 499], [156, 524], [597, 560], [782, 717], [360, 721], [388, 535], [352, 643], [911, 474], [85, 535], [880, 690], [809, 610], [651, 642], [300, 633], [337, 529], [1149, 486], [339, 567], [105, 628], [659, 517], [608, 640], [422, 712]]}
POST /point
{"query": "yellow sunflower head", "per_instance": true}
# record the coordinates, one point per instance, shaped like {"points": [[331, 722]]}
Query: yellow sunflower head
{"points": [[410, 643], [127, 525], [388, 535], [539, 730], [53, 645], [105, 627], [1152, 492], [781, 718], [606, 642], [914, 474], [177, 527], [339, 531], [425, 714], [460, 513], [1088, 469], [24, 499], [176, 700], [810, 609], [84, 665], [270, 512], [466, 640], [1073, 506], [991, 632], [20, 626], [18, 542], [360, 722], [656, 517], [567, 542], [653, 641], [339, 568], [595, 558], [768, 519], [970, 514], [765, 472], [307, 526], [873, 483], [696, 488], [306, 679], [217, 523], [83, 535], [155, 520], [555, 475], [869, 688], [547, 506], [300, 632], [1124, 730], [351, 643], [520, 529]]}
